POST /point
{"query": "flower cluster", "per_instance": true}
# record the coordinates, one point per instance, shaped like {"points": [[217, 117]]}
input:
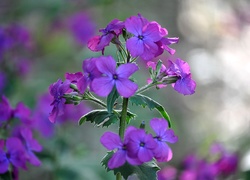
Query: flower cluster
{"points": [[138, 146], [219, 164], [17, 145], [178, 72], [15, 47], [112, 78]]}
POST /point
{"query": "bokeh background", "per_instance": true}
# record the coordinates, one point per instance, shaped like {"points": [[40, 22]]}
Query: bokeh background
{"points": [[214, 40]]}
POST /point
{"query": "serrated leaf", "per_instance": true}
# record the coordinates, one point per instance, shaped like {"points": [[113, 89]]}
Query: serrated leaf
{"points": [[113, 95], [146, 171], [142, 100], [129, 117], [99, 117]]}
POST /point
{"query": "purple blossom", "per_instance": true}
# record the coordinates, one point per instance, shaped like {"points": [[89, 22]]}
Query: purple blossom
{"points": [[73, 77], [5, 109], [82, 27], [31, 145], [146, 34], [90, 72], [119, 77], [112, 141], [57, 90], [113, 30], [141, 146], [15, 155], [167, 173], [41, 115], [185, 84], [23, 113], [164, 43], [162, 152]]}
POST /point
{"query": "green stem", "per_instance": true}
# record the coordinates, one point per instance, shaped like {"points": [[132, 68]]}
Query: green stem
{"points": [[122, 126], [144, 88]]}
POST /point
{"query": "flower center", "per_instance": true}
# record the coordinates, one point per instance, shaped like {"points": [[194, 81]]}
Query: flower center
{"points": [[140, 37], [142, 144], [115, 76]]}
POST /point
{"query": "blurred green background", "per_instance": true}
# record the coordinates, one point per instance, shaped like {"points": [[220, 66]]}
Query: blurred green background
{"points": [[214, 40]]}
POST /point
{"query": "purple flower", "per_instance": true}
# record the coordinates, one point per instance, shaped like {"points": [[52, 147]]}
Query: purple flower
{"points": [[90, 72], [23, 113], [185, 84], [141, 145], [31, 145], [57, 90], [82, 27], [119, 77], [162, 152], [167, 173], [73, 77], [112, 141], [5, 109], [163, 45], [15, 155], [113, 30], [146, 34], [41, 115]]}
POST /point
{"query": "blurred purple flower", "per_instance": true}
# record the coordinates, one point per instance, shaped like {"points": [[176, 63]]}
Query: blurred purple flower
{"points": [[185, 84], [167, 173], [82, 27], [23, 113], [119, 77], [31, 145], [162, 152], [57, 90], [6, 111], [141, 146], [113, 30], [15, 155]]}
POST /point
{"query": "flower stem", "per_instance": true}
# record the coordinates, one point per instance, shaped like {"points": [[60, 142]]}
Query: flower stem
{"points": [[122, 126], [144, 88]]}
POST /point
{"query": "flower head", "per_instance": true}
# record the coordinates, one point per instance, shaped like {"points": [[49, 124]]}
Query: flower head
{"points": [[119, 77], [141, 145], [113, 30], [112, 141], [185, 84], [57, 90], [15, 155], [5, 109], [163, 152], [146, 34]]}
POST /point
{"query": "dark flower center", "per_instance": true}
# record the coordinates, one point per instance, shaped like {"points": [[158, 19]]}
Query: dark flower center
{"points": [[140, 37], [142, 144], [115, 76]]}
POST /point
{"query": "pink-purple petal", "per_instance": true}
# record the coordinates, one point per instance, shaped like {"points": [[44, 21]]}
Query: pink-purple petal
{"points": [[102, 86], [117, 160], [126, 70], [106, 65], [135, 46], [111, 140], [126, 88], [145, 154]]}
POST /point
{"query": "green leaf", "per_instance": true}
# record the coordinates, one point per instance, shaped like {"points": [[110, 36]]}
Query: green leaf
{"points": [[129, 117], [142, 100], [113, 95], [99, 117], [146, 171], [6, 176]]}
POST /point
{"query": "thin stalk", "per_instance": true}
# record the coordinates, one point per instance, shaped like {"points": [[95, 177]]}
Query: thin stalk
{"points": [[122, 126], [144, 88]]}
